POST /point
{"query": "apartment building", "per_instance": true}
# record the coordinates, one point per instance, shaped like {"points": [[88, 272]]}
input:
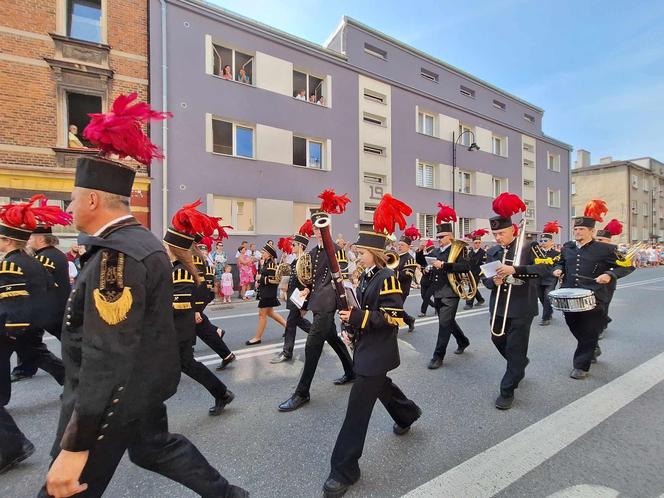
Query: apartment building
{"points": [[264, 121]]}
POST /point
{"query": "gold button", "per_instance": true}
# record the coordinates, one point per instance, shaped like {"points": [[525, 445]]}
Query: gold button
{"points": [[100, 437], [105, 426]]}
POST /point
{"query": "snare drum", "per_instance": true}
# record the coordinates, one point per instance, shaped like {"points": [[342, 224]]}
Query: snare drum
{"points": [[572, 300]]}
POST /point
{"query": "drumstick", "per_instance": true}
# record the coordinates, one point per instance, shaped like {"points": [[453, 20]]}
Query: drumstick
{"points": [[583, 277]]}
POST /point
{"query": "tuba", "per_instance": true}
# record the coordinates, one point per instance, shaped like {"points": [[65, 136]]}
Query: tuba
{"points": [[283, 270], [463, 284], [304, 269]]}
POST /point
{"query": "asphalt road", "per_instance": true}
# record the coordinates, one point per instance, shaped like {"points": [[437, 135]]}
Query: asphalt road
{"points": [[598, 437]]}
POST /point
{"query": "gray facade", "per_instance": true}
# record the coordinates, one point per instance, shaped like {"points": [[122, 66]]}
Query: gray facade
{"points": [[268, 196]]}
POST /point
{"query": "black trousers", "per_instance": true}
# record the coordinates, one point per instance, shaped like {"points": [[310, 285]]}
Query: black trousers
{"points": [[513, 346], [447, 325], [477, 297], [151, 447], [11, 437], [293, 321], [322, 329], [199, 372], [607, 318], [543, 295], [27, 363], [586, 327], [207, 332], [426, 293], [30, 346], [350, 441]]}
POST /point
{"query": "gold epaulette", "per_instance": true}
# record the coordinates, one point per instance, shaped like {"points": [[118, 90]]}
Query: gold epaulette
{"points": [[182, 276], [341, 256], [209, 271], [8, 267], [625, 263], [393, 316], [410, 263], [13, 290], [197, 260], [391, 286], [46, 262], [544, 261], [182, 306]]}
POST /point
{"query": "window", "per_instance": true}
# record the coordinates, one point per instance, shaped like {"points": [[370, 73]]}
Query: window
{"points": [[425, 175], [79, 105], [635, 207], [467, 92], [307, 153], [463, 227], [634, 233], [429, 75], [644, 209], [463, 182], [499, 146], [553, 162], [425, 123], [374, 96], [553, 198], [572, 189], [237, 62], [374, 149], [375, 51], [239, 213], [646, 185], [573, 211], [499, 105], [374, 179], [646, 234], [635, 181], [84, 20], [499, 186], [426, 224], [528, 117], [373, 119], [528, 163], [528, 147], [466, 133], [232, 139], [370, 207], [309, 88]]}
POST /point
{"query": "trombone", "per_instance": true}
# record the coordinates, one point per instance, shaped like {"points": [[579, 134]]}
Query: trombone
{"points": [[517, 257]]}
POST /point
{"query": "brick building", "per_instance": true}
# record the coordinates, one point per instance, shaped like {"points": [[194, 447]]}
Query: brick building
{"points": [[59, 61]]}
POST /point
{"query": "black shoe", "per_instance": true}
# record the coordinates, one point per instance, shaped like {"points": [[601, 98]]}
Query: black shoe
{"points": [[578, 374], [7, 462], [544, 323], [220, 403], [480, 303], [226, 361], [461, 349], [254, 343], [411, 324], [334, 489], [420, 314], [345, 379], [468, 307], [293, 403], [504, 402], [18, 376], [280, 358], [236, 492], [596, 353], [400, 430], [435, 363]]}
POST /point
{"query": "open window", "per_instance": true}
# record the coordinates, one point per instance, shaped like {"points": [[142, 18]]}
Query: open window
{"points": [[232, 139], [232, 64], [307, 153], [308, 88], [79, 105]]}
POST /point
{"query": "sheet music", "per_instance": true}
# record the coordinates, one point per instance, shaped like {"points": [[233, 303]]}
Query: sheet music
{"points": [[351, 297], [489, 269], [297, 299]]}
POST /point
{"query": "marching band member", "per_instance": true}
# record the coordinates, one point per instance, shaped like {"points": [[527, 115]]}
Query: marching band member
{"points": [[588, 264], [375, 323], [476, 258], [445, 298], [406, 268], [511, 316], [546, 253], [295, 315]]}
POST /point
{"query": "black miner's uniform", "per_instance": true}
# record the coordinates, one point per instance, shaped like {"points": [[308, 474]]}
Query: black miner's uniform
{"points": [[405, 274], [513, 344], [120, 351], [547, 283], [476, 259], [295, 318], [57, 264], [590, 260]]}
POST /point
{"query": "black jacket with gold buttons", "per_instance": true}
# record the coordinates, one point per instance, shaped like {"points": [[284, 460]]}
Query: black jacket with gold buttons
{"points": [[323, 297], [438, 277], [406, 272], [268, 284], [56, 263]]}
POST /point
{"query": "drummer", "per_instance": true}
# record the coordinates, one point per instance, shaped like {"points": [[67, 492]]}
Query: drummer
{"points": [[587, 264]]}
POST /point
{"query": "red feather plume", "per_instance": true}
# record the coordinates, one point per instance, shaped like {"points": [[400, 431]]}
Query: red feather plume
{"points": [[552, 227], [120, 131], [191, 221], [333, 203], [307, 229], [26, 215], [445, 214], [390, 212], [207, 242], [614, 227], [285, 244], [595, 209], [507, 205], [412, 233], [221, 230], [480, 232], [516, 229]]}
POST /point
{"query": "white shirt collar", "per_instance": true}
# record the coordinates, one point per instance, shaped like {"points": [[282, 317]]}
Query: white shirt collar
{"points": [[370, 270], [444, 248], [112, 222]]}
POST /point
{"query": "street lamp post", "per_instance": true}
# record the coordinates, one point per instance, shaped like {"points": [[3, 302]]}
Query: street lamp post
{"points": [[473, 146]]}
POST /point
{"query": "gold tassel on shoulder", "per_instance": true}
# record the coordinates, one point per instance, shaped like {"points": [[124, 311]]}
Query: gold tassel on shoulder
{"points": [[113, 312]]}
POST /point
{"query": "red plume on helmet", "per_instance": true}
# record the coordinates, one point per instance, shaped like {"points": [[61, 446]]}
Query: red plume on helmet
{"points": [[445, 214], [595, 209], [333, 203], [412, 233], [552, 227], [389, 213], [221, 230], [480, 232], [516, 229], [285, 244], [307, 229], [614, 227], [190, 221], [507, 205], [26, 215], [120, 131]]}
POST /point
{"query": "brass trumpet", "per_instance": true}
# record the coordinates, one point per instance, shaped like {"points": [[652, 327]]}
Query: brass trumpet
{"points": [[392, 259]]}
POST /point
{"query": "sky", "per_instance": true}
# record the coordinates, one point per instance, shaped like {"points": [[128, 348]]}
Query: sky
{"points": [[595, 67]]}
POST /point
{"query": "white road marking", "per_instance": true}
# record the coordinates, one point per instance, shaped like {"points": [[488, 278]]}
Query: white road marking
{"points": [[586, 491], [493, 470]]}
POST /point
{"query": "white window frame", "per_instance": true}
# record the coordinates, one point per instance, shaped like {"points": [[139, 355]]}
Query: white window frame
{"points": [[308, 155], [234, 137], [421, 115], [646, 185], [429, 75], [467, 92], [499, 105], [374, 119], [634, 208], [466, 139], [634, 233], [376, 97], [635, 181], [423, 221], [232, 64], [530, 209], [572, 188], [308, 90], [527, 163], [234, 214], [573, 211], [528, 147], [502, 185], [644, 209], [464, 178], [421, 167], [502, 152], [463, 227], [555, 203], [556, 162]]}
